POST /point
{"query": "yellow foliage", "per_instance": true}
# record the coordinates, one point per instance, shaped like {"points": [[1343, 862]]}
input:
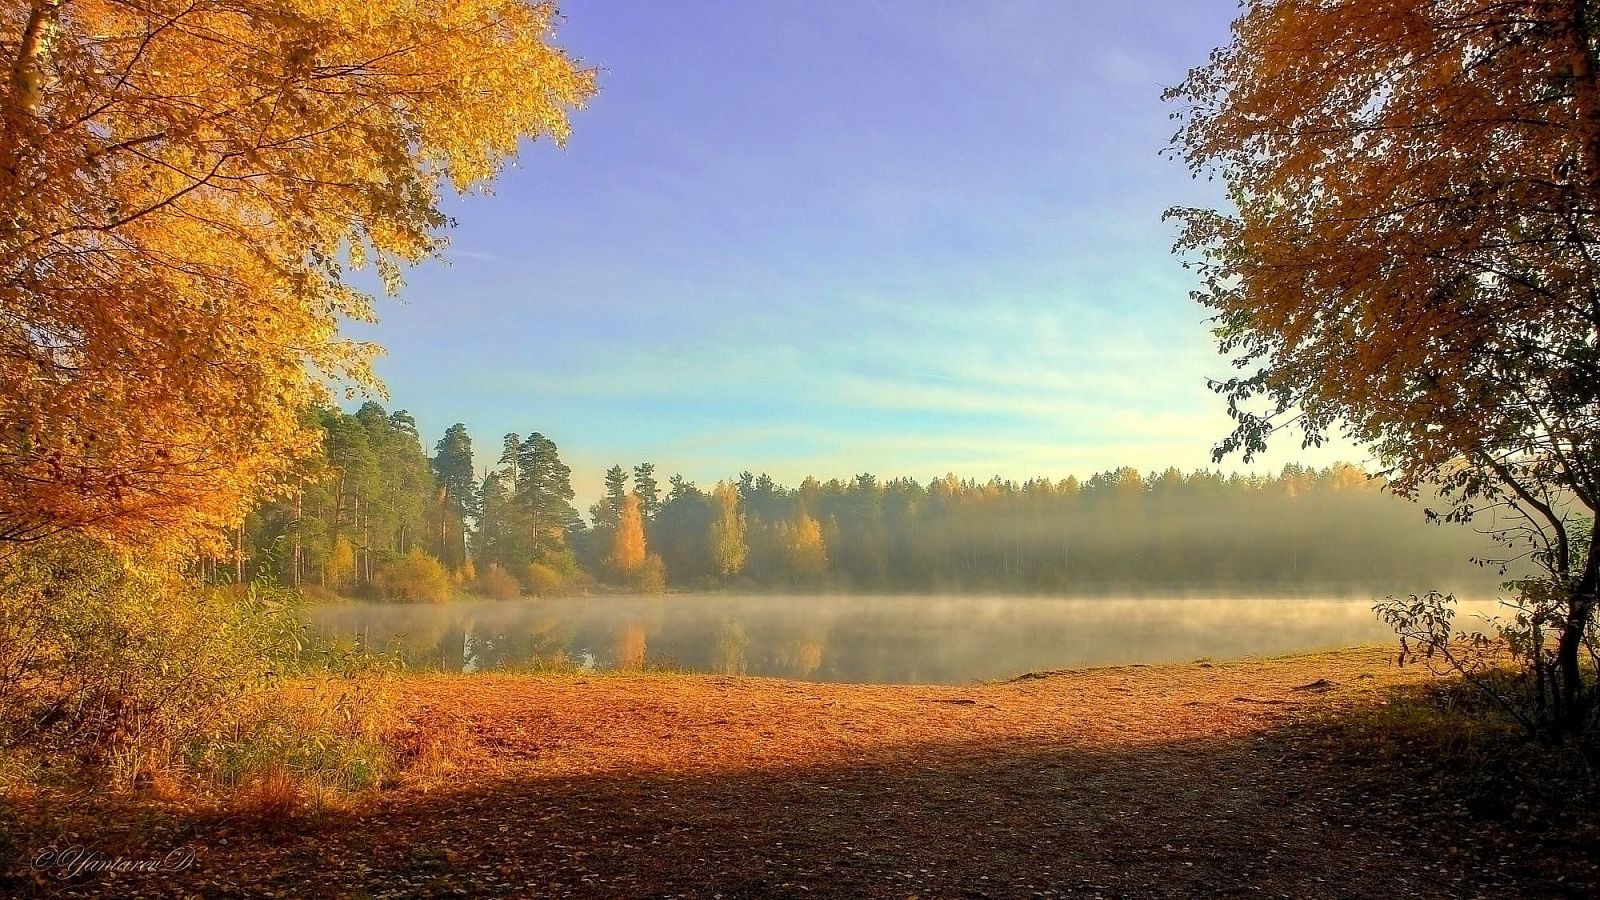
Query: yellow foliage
{"points": [[627, 547], [414, 576], [543, 580], [631, 646], [183, 184], [729, 654], [728, 548], [651, 577], [802, 657], [804, 552], [341, 564], [137, 675], [1407, 253]]}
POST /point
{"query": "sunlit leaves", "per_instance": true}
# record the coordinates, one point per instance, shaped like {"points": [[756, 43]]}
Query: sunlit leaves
{"points": [[1411, 252], [185, 186]]}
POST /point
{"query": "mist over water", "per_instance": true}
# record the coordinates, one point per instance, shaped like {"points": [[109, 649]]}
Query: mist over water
{"points": [[889, 639]]}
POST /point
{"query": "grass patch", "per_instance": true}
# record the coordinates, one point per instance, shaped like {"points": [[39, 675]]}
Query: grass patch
{"points": [[125, 679]]}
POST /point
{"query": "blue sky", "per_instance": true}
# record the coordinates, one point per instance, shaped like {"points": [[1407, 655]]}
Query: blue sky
{"points": [[835, 237]]}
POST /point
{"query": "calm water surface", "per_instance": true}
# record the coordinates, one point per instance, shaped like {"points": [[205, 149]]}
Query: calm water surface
{"points": [[942, 639]]}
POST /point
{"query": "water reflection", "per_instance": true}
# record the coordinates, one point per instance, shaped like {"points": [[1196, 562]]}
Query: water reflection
{"points": [[942, 639], [633, 644], [733, 643]]}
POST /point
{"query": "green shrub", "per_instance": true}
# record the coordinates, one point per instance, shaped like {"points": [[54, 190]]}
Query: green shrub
{"points": [[544, 581], [554, 575], [132, 675], [414, 576]]}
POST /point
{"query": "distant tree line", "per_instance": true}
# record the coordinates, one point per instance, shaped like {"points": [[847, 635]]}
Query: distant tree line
{"points": [[1302, 529], [375, 513]]}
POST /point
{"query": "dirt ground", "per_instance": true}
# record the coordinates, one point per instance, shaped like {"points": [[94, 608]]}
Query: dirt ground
{"points": [[1135, 781]]}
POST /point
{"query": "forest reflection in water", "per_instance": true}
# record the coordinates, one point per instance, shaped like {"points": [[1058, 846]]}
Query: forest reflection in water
{"points": [[888, 639]]}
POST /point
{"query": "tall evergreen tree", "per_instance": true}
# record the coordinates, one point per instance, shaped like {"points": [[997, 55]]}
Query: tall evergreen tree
{"points": [[362, 503], [510, 457], [545, 494], [452, 469], [648, 490], [616, 495]]}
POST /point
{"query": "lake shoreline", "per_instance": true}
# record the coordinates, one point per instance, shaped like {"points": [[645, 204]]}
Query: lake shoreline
{"points": [[1132, 780]]}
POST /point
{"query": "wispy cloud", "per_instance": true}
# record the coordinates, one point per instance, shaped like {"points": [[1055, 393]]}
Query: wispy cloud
{"points": [[905, 238]]}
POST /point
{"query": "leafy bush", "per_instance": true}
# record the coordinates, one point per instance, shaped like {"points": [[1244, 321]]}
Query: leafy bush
{"points": [[499, 584], [651, 577], [414, 576], [553, 575], [1511, 662], [544, 581], [131, 675]]}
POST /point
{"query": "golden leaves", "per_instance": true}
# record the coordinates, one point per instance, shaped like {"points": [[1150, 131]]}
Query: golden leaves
{"points": [[170, 280], [628, 548], [1415, 187]]}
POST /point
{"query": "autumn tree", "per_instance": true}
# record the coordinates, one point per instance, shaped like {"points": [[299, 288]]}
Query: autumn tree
{"points": [[606, 513], [805, 553], [340, 568], [1411, 256], [185, 185], [728, 549], [1167, 530], [627, 546]]}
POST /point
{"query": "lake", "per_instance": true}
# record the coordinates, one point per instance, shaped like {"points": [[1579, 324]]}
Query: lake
{"points": [[891, 639]]}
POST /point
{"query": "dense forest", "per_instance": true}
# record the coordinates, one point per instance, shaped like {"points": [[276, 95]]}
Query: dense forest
{"points": [[376, 514]]}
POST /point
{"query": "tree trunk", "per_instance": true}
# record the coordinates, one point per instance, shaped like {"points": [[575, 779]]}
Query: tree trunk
{"points": [[1576, 698], [299, 515]]}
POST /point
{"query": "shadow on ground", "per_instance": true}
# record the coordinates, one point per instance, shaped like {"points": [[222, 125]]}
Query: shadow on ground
{"points": [[1268, 815]]}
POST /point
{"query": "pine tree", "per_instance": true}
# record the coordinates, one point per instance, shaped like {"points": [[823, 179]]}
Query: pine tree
{"points": [[452, 468], [545, 495], [616, 494], [647, 489]]}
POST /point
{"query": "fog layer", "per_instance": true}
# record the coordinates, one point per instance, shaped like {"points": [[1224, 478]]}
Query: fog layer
{"points": [[907, 639]]}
